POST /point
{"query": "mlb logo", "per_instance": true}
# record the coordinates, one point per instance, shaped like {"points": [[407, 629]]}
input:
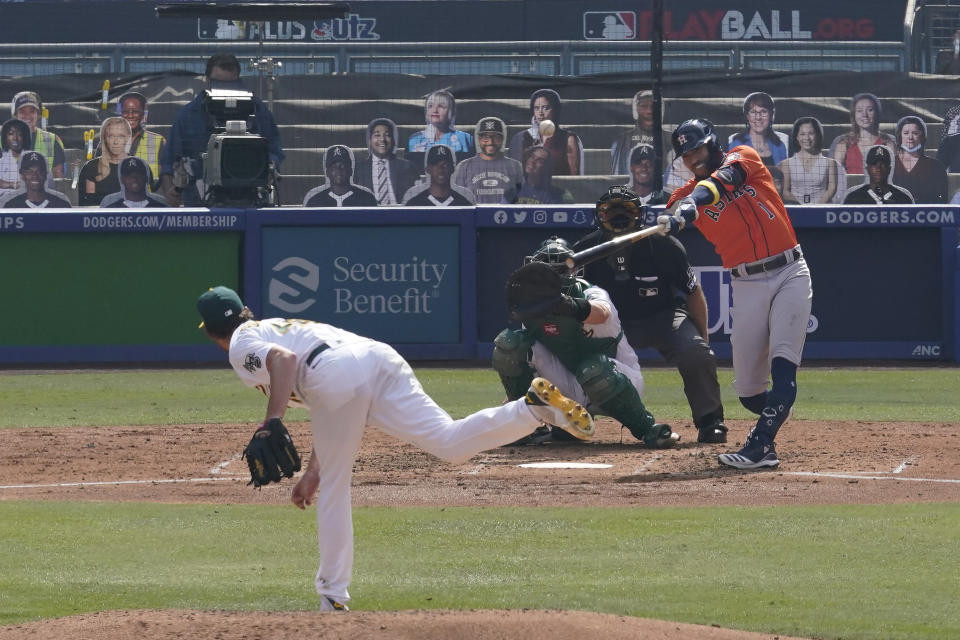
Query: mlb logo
{"points": [[218, 29], [609, 25]]}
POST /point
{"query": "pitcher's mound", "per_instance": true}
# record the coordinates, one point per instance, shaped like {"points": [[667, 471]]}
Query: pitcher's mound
{"points": [[369, 625]]}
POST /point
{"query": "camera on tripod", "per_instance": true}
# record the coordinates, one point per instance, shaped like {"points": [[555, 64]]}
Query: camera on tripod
{"points": [[237, 170]]}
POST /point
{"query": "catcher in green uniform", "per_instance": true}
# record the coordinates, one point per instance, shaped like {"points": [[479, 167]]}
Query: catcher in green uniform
{"points": [[571, 335]]}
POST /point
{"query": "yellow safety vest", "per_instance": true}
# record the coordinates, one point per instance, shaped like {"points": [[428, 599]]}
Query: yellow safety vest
{"points": [[46, 143], [150, 151]]}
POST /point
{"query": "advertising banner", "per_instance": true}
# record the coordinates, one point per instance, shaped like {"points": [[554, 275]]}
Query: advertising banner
{"points": [[100, 220], [478, 21], [885, 280], [398, 284]]}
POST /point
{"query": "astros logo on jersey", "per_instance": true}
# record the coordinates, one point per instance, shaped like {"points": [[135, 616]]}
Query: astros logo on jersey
{"points": [[726, 197]]}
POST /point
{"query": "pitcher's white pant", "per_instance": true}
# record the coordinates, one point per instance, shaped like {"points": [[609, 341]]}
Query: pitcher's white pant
{"points": [[771, 311], [549, 366], [368, 383]]}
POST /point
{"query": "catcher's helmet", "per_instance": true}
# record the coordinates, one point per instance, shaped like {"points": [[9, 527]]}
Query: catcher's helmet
{"points": [[555, 251], [693, 134], [619, 210]]}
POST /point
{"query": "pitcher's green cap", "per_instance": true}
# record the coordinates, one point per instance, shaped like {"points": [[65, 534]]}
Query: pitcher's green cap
{"points": [[217, 306]]}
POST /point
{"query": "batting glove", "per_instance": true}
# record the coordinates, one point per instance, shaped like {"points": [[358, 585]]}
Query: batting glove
{"points": [[669, 224], [686, 209]]}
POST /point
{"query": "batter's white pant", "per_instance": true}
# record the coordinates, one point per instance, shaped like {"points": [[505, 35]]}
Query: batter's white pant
{"points": [[367, 383], [771, 311], [549, 366]]}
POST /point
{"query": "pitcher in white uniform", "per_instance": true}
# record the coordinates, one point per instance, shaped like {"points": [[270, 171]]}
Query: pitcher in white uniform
{"points": [[347, 382]]}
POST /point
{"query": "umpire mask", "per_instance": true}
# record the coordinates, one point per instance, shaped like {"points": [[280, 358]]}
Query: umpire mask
{"points": [[618, 211]]}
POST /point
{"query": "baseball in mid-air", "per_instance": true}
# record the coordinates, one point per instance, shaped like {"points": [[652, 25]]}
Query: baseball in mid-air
{"points": [[547, 128]]}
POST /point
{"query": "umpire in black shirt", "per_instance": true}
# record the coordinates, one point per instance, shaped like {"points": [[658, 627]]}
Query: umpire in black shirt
{"points": [[660, 302]]}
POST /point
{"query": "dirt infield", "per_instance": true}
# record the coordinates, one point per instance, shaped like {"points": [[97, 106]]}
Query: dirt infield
{"points": [[821, 463], [370, 625]]}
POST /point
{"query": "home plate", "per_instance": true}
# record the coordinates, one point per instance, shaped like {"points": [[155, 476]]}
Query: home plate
{"points": [[565, 465]]}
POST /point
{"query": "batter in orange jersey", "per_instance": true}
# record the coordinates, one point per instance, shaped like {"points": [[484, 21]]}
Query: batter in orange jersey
{"points": [[748, 222], [733, 202]]}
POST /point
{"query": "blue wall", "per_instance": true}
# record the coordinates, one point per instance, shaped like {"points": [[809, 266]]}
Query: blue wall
{"points": [[431, 283]]}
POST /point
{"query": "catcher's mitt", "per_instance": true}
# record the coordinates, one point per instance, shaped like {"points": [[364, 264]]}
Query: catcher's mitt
{"points": [[271, 454], [533, 290]]}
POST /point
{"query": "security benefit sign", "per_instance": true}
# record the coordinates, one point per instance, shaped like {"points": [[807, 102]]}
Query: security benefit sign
{"points": [[396, 284]]}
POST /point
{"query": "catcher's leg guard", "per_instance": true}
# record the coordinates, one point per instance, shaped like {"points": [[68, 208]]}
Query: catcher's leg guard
{"points": [[511, 361], [616, 397]]}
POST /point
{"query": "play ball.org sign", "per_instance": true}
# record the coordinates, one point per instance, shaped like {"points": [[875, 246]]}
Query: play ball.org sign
{"points": [[396, 284]]}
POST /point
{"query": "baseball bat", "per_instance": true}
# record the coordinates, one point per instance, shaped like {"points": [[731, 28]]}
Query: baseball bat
{"points": [[610, 247]]}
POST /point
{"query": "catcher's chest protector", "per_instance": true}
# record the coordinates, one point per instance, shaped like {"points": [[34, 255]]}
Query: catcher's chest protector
{"points": [[570, 340]]}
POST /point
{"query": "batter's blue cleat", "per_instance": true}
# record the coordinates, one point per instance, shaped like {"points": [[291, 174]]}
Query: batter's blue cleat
{"points": [[552, 407], [754, 455]]}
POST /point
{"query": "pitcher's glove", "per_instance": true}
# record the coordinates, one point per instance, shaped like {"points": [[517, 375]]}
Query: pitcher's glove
{"points": [[271, 454], [533, 290]]}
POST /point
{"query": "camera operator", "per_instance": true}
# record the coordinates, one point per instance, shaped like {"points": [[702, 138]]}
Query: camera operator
{"points": [[191, 132]]}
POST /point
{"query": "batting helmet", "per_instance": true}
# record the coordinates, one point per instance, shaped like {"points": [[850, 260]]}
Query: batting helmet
{"points": [[692, 134], [619, 210], [555, 251]]}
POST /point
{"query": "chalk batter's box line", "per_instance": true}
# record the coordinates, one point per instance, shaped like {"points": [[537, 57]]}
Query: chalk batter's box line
{"points": [[851, 475]]}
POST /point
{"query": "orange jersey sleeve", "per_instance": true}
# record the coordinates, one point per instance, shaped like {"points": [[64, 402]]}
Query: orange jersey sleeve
{"points": [[749, 222]]}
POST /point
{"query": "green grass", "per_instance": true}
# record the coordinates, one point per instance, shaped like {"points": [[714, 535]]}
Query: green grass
{"points": [[197, 396], [854, 572]]}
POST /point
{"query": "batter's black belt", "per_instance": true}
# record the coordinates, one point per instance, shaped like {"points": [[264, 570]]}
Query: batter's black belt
{"points": [[769, 264], [320, 348]]}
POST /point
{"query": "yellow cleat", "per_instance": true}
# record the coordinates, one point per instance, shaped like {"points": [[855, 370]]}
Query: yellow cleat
{"points": [[552, 407]]}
